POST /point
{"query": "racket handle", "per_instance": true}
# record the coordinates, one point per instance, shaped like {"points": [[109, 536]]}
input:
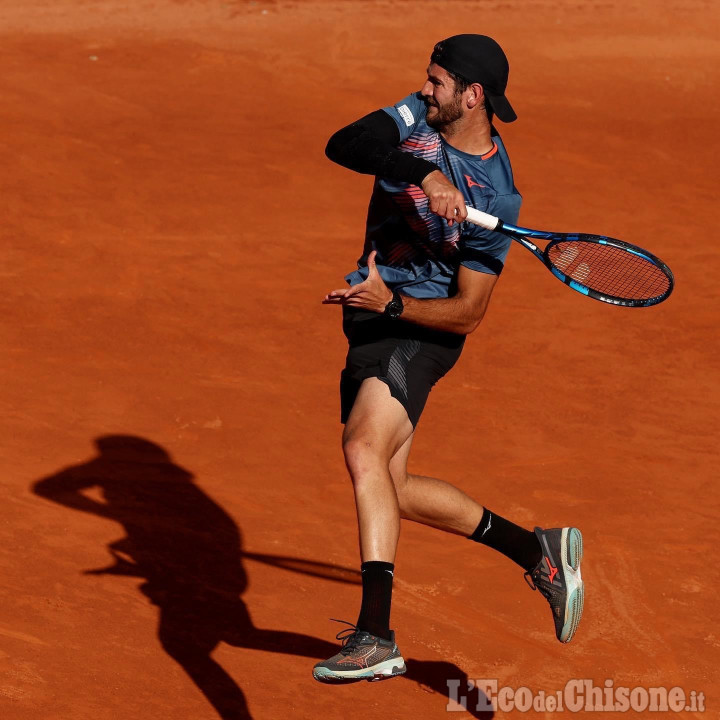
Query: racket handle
{"points": [[477, 217]]}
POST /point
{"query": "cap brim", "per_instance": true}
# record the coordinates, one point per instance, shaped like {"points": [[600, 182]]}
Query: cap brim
{"points": [[502, 108]]}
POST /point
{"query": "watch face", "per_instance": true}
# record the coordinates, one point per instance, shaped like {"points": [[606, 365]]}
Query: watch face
{"points": [[395, 307]]}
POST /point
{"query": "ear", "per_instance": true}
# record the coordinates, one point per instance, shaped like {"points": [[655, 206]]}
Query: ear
{"points": [[476, 95]]}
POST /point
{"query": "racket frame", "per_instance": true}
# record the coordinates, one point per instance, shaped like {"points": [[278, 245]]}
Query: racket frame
{"points": [[525, 236]]}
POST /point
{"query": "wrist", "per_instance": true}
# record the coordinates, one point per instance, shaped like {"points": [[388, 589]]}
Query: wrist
{"points": [[429, 176], [395, 306]]}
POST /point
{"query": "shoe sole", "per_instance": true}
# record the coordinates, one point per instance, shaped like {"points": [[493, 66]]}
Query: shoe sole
{"points": [[571, 555], [382, 671]]}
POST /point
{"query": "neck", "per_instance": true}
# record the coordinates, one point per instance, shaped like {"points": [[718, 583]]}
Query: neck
{"points": [[470, 134]]}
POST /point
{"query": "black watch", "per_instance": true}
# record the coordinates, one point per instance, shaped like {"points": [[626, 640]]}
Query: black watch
{"points": [[395, 307]]}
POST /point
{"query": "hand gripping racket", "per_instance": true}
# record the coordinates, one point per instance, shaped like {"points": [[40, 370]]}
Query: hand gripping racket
{"points": [[602, 268]]}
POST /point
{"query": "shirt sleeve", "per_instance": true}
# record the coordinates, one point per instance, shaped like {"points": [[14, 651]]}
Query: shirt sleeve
{"points": [[485, 253], [407, 114]]}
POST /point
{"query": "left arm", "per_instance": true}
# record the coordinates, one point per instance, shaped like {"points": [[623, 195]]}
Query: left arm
{"points": [[460, 314]]}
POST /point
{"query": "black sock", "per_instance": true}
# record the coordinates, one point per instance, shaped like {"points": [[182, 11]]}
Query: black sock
{"points": [[520, 545], [377, 579]]}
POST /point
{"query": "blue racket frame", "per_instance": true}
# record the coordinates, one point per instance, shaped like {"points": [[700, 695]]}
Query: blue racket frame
{"points": [[524, 235]]}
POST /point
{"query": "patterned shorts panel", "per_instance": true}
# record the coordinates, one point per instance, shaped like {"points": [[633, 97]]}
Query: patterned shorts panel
{"points": [[407, 358]]}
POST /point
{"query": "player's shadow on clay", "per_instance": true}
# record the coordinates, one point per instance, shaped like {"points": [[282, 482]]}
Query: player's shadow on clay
{"points": [[189, 552]]}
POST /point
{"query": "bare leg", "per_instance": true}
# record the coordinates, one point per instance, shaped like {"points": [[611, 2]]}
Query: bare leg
{"points": [[377, 428], [430, 501]]}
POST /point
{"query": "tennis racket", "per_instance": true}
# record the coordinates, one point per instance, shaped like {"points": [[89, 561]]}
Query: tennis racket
{"points": [[600, 267]]}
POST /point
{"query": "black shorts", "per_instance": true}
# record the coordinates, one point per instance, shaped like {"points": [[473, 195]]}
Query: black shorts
{"points": [[408, 358]]}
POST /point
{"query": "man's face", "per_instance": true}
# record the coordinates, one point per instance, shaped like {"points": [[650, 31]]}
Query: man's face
{"points": [[443, 103]]}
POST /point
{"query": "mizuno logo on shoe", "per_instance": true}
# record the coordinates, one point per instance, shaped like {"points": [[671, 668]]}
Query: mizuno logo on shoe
{"points": [[552, 572], [548, 572], [361, 659]]}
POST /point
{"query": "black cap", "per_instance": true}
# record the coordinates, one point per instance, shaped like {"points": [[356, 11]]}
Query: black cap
{"points": [[478, 58]]}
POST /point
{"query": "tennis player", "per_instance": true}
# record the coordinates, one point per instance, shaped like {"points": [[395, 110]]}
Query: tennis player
{"points": [[422, 284]]}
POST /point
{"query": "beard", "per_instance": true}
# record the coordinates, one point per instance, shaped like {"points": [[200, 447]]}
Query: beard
{"points": [[445, 115]]}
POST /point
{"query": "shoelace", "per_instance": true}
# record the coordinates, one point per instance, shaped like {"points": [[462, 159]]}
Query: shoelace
{"points": [[529, 579], [349, 636]]}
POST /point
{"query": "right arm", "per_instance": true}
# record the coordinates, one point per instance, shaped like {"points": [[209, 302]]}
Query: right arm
{"points": [[459, 314], [369, 146]]}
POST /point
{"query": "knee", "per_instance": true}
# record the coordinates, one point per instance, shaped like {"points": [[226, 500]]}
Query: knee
{"points": [[362, 456]]}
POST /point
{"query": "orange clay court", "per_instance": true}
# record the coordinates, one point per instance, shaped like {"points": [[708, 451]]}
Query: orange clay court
{"points": [[176, 524]]}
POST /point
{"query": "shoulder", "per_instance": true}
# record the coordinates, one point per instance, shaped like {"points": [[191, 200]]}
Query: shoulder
{"points": [[408, 113]]}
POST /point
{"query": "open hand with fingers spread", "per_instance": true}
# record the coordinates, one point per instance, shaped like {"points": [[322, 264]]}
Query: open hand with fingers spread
{"points": [[371, 294], [445, 199]]}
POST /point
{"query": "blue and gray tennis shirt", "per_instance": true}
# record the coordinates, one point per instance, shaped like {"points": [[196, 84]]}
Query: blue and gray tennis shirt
{"points": [[418, 253]]}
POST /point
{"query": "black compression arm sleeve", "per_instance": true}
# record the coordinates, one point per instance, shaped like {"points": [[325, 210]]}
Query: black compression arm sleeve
{"points": [[369, 146]]}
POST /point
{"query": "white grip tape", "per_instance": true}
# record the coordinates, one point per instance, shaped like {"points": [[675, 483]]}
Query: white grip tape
{"points": [[477, 217]]}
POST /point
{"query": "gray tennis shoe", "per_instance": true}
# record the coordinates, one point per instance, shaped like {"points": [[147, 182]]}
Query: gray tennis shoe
{"points": [[362, 657], [557, 577]]}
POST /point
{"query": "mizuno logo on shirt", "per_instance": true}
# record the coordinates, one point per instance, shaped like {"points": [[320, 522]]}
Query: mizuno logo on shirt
{"points": [[472, 183]]}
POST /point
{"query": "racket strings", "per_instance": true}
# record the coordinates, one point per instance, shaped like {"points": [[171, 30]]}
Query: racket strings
{"points": [[609, 270]]}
